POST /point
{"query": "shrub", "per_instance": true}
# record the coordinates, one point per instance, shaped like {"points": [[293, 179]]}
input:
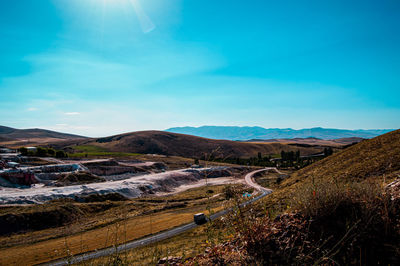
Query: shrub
{"points": [[41, 152], [231, 192], [23, 151], [51, 152], [358, 220], [331, 223], [61, 154], [210, 191]]}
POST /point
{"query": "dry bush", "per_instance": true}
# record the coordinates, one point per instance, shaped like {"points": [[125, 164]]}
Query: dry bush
{"points": [[334, 223], [358, 220]]}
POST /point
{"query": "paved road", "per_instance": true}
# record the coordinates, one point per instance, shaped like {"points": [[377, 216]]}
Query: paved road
{"points": [[164, 235]]}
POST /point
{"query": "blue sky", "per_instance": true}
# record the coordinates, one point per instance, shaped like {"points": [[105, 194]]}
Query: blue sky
{"points": [[101, 67]]}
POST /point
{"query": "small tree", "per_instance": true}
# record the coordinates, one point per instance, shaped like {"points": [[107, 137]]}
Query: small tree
{"points": [[41, 152], [328, 151], [51, 152], [23, 151], [229, 192], [283, 155], [291, 156], [297, 155], [61, 154]]}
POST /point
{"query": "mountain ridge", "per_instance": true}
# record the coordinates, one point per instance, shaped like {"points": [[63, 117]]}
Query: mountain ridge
{"points": [[260, 133]]}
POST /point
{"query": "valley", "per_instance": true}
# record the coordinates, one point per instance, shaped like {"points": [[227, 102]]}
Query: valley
{"points": [[104, 192]]}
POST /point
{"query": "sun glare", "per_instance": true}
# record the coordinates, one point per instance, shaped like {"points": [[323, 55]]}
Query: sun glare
{"points": [[146, 23]]}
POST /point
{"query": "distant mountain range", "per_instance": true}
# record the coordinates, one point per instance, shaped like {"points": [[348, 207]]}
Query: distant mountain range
{"points": [[260, 133], [307, 141]]}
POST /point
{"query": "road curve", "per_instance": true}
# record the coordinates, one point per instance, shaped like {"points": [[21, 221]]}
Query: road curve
{"points": [[163, 235]]}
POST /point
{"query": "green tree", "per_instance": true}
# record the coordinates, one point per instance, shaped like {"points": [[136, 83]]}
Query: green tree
{"points": [[328, 151], [61, 154], [51, 152], [297, 155], [23, 151], [291, 156], [41, 152]]}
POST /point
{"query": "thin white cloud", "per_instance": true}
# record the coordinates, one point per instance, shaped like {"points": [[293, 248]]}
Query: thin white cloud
{"points": [[72, 113], [31, 109]]}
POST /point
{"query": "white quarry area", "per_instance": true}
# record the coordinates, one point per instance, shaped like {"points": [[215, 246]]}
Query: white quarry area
{"points": [[130, 187]]}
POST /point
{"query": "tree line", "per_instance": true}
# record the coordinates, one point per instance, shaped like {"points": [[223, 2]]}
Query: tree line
{"points": [[43, 152], [288, 159]]}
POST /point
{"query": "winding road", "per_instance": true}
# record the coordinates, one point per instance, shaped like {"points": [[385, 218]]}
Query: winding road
{"points": [[167, 234]]}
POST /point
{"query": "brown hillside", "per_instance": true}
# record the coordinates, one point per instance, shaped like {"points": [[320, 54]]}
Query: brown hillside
{"points": [[353, 222], [13, 133], [370, 158], [160, 142], [13, 137]]}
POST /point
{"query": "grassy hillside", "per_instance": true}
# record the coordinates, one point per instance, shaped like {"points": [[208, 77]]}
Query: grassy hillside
{"points": [[159, 142], [338, 211], [13, 133], [371, 158], [13, 137]]}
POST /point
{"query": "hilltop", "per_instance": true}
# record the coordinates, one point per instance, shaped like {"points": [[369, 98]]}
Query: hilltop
{"points": [[260, 133], [166, 143], [372, 158], [18, 137]]}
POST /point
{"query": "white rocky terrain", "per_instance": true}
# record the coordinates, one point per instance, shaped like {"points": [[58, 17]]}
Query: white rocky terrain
{"points": [[132, 187]]}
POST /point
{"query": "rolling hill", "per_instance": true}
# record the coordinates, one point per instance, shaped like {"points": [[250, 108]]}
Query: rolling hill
{"points": [[260, 133], [370, 158], [342, 206], [376, 159], [166, 143], [13, 136]]}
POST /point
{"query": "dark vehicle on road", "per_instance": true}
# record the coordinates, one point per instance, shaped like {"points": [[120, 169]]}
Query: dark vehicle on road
{"points": [[200, 218]]}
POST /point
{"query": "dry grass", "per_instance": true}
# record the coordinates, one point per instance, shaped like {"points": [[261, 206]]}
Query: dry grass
{"points": [[377, 160], [185, 245], [271, 179], [115, 226], [116, 233], [368, 159], [334, 223], [346, 215]]}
